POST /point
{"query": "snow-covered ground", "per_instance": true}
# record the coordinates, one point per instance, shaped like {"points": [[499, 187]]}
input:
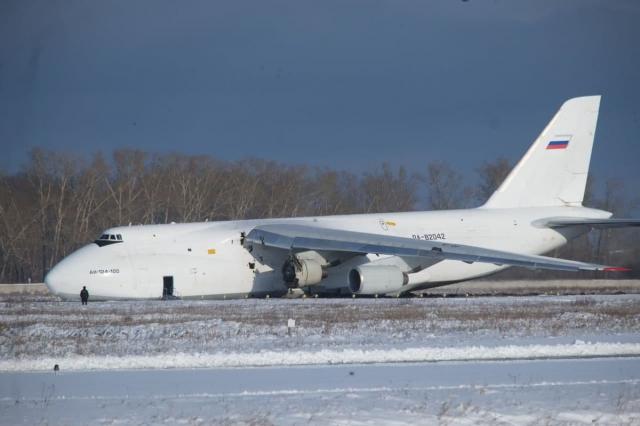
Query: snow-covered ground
{"points": [[104, 341], [600, 391], [61, 330]]}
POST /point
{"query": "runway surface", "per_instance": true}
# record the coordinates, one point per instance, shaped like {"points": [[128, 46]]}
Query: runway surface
{"points": [[568, 391]]}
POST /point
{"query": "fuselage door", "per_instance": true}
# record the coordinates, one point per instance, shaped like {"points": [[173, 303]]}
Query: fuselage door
{"points": [[167, 287]]}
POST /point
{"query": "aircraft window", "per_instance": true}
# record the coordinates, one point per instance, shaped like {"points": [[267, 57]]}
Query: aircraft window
{"points": [[108, 239]]}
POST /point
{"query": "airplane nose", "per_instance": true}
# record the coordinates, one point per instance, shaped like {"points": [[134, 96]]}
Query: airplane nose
{"points": [[53, 280], [65, 279], [62, 278]]}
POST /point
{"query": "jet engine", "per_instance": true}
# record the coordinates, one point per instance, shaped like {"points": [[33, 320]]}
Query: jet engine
{"points": [[302, 272], [376, 279]]}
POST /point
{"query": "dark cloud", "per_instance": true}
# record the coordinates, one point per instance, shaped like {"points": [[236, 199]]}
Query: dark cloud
{"points": [[346, 84]]}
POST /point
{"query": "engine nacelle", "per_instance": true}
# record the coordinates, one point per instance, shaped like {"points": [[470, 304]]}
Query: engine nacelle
{"points": [[376, 279], [302, 272]]}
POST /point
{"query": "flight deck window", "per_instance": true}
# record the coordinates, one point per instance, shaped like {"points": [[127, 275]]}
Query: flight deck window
{"points": [[108, 239]]}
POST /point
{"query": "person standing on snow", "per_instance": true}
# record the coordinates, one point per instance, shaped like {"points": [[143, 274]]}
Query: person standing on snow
{"points": [[84, 295]]}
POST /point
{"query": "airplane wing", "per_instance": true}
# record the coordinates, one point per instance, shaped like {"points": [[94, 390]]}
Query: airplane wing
{"points": [[593, 223], [296, 238]]}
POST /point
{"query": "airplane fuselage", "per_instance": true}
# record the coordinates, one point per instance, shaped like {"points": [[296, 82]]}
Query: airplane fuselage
{"points": [[212, 260]]}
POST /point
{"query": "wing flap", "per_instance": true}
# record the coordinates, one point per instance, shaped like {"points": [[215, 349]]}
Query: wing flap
{"points": [[295, 237], [593, 223]]}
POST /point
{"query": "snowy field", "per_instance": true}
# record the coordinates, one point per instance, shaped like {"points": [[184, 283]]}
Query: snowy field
{"points": [[595, 391], [74, 336], [517, 360]]}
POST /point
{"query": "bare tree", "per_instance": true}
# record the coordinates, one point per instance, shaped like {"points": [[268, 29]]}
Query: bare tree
{"points": [[384, 190], [491, 175], [125, 188], [613, 201], [332, 192], [446, 187]]}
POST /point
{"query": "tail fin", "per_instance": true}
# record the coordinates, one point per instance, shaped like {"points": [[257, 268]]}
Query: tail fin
{"points": [[554, 170]]}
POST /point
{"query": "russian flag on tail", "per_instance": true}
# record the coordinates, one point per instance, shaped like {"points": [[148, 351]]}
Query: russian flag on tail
{"points": [[558, 145]]}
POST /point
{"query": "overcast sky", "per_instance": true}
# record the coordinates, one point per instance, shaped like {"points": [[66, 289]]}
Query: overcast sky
{"points": [[345, 84]]}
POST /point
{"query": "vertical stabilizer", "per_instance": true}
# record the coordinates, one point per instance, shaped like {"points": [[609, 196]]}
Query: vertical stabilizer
{"points": [[554, 170]]}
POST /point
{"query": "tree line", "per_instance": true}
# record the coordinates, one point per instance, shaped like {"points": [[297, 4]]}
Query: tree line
{"points": [[58, 201]]}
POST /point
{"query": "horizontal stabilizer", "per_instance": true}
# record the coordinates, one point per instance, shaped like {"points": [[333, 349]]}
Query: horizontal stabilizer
{"points": [[593, 223]]}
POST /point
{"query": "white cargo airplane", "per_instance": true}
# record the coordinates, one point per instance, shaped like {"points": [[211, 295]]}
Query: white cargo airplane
{"points": [[538, 208]]}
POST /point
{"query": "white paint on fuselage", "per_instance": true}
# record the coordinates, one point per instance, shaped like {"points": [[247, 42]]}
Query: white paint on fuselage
{"points": [[135, 267]]}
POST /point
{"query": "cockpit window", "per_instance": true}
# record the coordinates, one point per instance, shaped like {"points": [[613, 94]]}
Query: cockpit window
{"points": [[106, 239]]}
